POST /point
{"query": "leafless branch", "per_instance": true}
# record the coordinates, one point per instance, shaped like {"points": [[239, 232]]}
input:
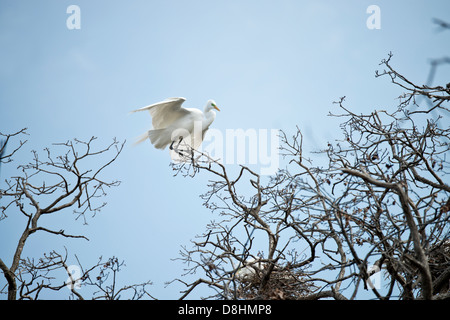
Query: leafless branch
{"points": [[50, 184], [383, 200]]}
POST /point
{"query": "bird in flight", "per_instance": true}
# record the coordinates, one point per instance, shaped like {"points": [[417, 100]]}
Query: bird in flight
{"points": [[173, 124]]}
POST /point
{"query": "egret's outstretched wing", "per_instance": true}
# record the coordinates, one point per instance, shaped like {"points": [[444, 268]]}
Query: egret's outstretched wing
{"points": [[166, 112]]}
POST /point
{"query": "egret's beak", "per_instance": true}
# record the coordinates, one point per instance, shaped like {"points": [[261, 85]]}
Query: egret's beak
{"points": [[215, 107]]}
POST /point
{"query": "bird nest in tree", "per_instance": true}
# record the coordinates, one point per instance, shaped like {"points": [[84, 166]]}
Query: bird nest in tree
{"points": [[439, 261], [282, 284]]}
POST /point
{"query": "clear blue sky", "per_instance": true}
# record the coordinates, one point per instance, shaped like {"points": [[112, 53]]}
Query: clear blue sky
{"points": [[267, 64]]}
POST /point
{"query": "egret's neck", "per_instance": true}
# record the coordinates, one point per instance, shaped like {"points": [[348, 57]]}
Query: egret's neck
{"points": [[208, 118]]}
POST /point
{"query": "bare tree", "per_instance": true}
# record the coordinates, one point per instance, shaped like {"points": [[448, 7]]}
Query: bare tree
{"points": [[44, 187], [379, 208]]}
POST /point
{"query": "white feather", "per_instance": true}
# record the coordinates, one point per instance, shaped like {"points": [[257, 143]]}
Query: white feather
{"points": [[171, 121]]}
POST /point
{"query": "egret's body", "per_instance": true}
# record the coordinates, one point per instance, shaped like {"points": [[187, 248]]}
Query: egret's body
{"points": [[250, 270], [172, 123]]}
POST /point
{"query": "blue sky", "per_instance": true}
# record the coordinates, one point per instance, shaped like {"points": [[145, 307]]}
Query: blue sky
{"points": [[267, 64]]}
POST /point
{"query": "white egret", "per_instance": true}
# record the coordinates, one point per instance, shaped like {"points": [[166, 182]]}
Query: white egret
{"points": [[172, 123], [249, 271]]}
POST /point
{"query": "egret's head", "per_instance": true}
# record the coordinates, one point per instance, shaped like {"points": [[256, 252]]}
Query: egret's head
{"points": [[211, 105]]}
